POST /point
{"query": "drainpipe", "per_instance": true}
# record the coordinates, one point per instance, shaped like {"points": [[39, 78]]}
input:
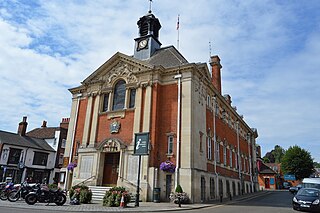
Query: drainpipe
{"points": [[177, 175], [250, 160], [72, 139], [239, 163], [215, 142]]}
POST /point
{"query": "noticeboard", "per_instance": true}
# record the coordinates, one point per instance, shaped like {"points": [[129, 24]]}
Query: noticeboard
{"points": [[141, 143]]}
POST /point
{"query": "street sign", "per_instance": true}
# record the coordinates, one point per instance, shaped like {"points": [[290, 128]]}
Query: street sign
{"points": [[141, 143], [289, 177]]}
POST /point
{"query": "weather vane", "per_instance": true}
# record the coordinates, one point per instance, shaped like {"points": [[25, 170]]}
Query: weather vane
{"points": [[150, 6]]}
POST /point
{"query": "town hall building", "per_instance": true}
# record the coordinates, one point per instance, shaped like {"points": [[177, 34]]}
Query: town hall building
{"points": [[177, 107]]}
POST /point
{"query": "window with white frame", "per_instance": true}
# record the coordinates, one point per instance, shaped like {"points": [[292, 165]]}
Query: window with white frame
{"points": [[208, 101], [230, 156], [170, 144], [225, 154], [218, 152], [209, 149], [236, 160], [63, 144]]}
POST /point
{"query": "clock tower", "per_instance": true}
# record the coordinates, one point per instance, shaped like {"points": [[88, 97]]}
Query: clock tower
{"points": [[147, 42]]}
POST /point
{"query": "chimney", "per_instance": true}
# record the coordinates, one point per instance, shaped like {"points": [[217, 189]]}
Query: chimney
{"points": [[44, 124], [23, 126], [216, 72], [65, 123]]}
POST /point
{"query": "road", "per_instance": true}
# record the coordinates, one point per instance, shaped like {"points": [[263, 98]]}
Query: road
{"points": [[273, 201]]}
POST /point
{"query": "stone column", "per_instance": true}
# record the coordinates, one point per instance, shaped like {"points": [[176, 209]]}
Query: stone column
{"points": [[95, 117], [87, 122]]}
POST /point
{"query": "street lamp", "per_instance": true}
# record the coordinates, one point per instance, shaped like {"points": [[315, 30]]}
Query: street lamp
{"points": [[177, 178]]}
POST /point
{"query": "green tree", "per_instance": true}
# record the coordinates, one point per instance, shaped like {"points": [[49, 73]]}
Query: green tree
{"points": [[298, 162], [278, 153], [275, 156], [316, 165]]}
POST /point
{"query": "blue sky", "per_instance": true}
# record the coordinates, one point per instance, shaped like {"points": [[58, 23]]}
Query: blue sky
{"points": [[269, 51]]}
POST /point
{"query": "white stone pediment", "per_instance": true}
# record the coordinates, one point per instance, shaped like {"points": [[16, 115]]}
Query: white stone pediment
{"points": [[118, 66]]}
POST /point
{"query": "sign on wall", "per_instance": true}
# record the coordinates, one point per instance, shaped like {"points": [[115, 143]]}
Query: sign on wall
{"points": [[141, 143]]}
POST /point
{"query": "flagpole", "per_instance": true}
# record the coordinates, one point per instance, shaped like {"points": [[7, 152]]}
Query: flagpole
{"points": [[178, 26]]}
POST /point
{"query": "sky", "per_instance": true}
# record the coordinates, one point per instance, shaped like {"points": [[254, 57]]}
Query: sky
{"points": [[269, 50]]}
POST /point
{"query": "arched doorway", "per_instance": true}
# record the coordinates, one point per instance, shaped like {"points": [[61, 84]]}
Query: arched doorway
{"points": [[111, 149]]}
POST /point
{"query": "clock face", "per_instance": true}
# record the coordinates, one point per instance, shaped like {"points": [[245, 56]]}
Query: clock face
{"points": [[142, 44]]}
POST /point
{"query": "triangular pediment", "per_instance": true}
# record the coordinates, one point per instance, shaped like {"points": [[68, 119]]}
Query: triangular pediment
{"points": [[118, 66]]}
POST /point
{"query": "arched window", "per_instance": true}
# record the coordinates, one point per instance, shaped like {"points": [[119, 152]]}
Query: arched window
{"points": [[119, 95]]}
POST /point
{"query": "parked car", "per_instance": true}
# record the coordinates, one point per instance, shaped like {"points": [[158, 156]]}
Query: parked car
{"points": [[307, 199], [295, 189], [286, 185]]}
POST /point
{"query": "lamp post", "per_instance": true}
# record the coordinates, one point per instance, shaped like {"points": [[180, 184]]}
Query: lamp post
{"points": [[239, 163], [177, 175], [215, 141]]}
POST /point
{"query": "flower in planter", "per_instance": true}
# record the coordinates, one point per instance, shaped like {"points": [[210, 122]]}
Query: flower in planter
{"points": [[168, 166], [71, 166]]}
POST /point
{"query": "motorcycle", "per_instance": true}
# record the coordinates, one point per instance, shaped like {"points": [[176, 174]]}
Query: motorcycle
{"points": [[6, 190], [22, 191], [45, 195]]}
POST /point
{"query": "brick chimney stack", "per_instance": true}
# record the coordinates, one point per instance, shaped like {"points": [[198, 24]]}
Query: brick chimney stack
{"points": [[216, 72], [65, 123], [44, 124], [22, 129]]}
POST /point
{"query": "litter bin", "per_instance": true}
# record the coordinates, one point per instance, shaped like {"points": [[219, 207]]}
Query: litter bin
{"points": [[156, 195]]}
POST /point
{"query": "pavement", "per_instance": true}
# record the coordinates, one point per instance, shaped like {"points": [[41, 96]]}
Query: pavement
{"points": [[143, 206]]}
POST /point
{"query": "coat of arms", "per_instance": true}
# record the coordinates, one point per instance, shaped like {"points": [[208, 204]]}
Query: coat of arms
{"points": [[114, 127]]}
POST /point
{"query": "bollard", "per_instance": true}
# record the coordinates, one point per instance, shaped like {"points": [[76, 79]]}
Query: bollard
{"points": [[179, 201], [220, 198], [230, 196]]}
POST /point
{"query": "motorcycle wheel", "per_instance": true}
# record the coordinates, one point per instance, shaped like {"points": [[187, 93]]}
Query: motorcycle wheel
{"points": [[60, 199], [13, 196], [3, 195], [31, 199]]}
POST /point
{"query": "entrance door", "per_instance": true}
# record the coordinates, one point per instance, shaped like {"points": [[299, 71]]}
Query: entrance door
{"points": [[111, 169], [267, 183], [168, 186]]}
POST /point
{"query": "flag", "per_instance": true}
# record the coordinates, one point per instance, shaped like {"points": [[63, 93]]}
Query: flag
{"points": [[178, 23]]}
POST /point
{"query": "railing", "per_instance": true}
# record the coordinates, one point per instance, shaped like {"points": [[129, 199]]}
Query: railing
{"points": [[130, 183], [86, 180]]}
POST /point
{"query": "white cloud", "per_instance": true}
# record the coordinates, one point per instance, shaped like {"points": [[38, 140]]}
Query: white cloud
{"points": [[268, 51]]}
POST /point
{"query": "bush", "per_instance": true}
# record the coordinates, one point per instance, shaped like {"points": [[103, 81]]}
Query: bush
{"points": [[179, 189], [184, 197], [82, 193], [114, 195]]}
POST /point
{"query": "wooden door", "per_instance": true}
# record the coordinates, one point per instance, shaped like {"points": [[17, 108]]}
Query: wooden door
{"points": [[111, 169]]}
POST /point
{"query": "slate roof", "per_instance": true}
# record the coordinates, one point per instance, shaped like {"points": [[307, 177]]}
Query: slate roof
{"points": [[24, 141], [264, 169], [167, 57], [44, 132]]}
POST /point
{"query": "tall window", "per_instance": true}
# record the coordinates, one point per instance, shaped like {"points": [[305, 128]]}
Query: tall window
{"points": [[218, 152], [119, 95], [209, 149], [225, 154], [236, 160], [132, 98], [230, 156], [40, 158], [14, 156], [105, 102], [212, 188], [170, 144], [201, 136]]}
